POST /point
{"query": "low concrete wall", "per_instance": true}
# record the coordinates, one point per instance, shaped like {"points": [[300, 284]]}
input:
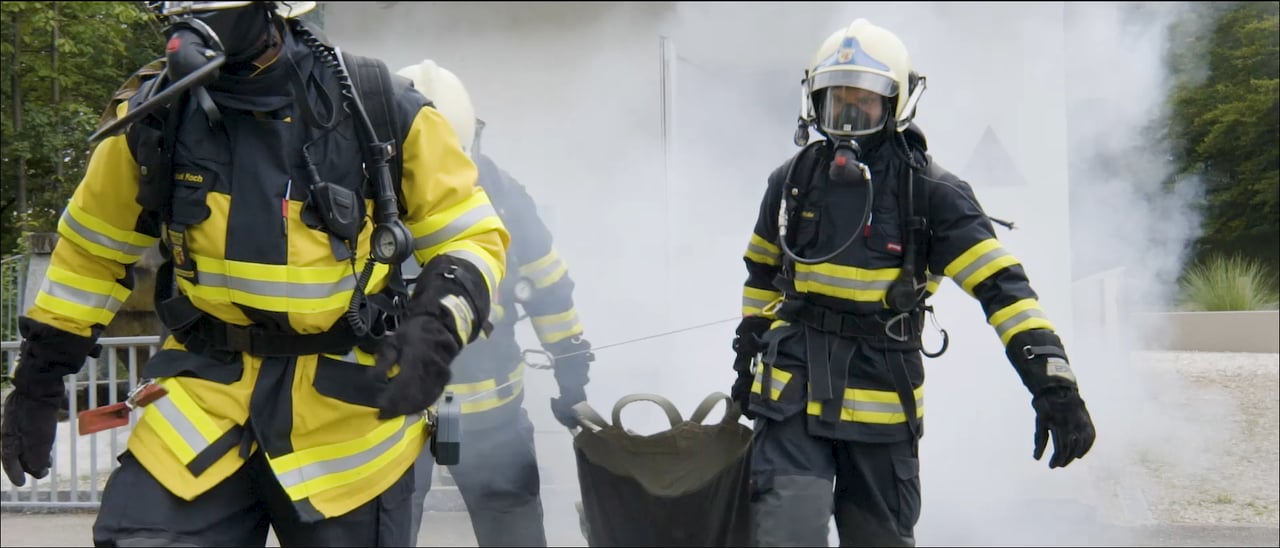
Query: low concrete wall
{"points": [[1252, 331]]}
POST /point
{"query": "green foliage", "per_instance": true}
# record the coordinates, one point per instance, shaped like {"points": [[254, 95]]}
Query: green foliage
{"points": [[1229, 283], [1225, 122], [98, 45]]}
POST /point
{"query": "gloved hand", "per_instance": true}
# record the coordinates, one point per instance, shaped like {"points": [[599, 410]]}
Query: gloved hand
{"points": [[562, 407], [1038, 357], [1060, 411], [30, 420], [424, 347], [440, 320], [746, 345], [572, 364]]}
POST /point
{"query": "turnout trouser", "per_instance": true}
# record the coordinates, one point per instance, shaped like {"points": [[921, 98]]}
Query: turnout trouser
{"points": [[137, 511], [497, 475], [799, 481]]}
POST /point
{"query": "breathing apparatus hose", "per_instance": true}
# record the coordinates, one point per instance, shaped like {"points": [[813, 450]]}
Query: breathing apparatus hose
{"points": [[783, 218], [385, 209]]}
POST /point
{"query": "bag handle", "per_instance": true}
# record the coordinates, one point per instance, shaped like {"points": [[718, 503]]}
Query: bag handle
{"points": [[673, 414], [731, 411]]}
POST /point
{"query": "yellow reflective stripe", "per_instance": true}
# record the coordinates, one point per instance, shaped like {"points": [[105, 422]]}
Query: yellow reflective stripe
{"points": [[872, 406], [276, 288], [474, 215], [545, 271], [762, 251], [1020, 316], [845, 282], [778, 381], [101, 238], [90, 300], [462, 315], [754, 300], [979, 263], [476, 255], [184, 427], [310, 471], [557, 327], [493, 399], [778, 323], [933, 283]]}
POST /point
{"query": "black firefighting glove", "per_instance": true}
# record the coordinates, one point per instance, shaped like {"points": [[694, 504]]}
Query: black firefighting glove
{"points": [[746, 345], [1042, 363], [572, 362], [440, 320], [47, 355]]}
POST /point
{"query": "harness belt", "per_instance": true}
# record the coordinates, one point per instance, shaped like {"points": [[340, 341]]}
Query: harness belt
{"points": [[883, 330], [201, 333], [830, 348]]}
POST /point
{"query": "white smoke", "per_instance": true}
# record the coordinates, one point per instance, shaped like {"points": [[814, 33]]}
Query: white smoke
{"points": [[653, 231]]}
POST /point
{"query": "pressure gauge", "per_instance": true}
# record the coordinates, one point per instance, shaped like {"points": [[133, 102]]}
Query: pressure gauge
{"points": [[523, 290]]}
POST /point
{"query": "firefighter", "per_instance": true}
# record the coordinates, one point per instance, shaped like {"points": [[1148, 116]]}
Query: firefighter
{"points": [[854, 233], [498, 471], [298, 365]]}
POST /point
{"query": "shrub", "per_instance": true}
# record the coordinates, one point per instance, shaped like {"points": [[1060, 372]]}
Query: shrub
{"points": [[1228, 283]]}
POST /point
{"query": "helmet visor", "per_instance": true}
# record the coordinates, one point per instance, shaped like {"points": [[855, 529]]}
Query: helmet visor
{"points": [[170, 9], [869, 81], [852, 111]]}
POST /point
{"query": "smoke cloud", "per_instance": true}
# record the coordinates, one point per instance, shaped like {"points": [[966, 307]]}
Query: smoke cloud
{"points": [[646, 132]]}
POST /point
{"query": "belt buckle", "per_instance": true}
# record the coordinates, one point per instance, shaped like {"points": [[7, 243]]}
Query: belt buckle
{"points": [[240, 338]]}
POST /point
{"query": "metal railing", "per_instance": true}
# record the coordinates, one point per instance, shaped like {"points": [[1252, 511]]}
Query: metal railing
{"points": [[13, 277], [82, 464]]}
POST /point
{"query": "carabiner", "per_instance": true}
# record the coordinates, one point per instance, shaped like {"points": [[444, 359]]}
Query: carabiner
{"points": [[946, 339]]}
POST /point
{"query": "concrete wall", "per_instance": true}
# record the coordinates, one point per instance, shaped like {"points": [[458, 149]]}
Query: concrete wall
{"points": [[1244, 331]]}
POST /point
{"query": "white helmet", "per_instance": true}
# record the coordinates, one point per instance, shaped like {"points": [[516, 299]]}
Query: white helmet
{"points": [[851, 62], [450, 97], [287, 10]]}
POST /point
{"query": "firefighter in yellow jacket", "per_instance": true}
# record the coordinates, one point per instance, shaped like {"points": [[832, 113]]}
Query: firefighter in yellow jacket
{"points": [[298, 365], [498, 473], [854, 233]]}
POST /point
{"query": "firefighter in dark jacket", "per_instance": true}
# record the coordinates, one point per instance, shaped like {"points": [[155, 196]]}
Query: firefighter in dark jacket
{"points": [[298, 367], [854, 233], [498, 471]]}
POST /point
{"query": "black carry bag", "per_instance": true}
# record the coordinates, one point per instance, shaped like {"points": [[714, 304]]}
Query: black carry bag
{"points": [[687, 486]]}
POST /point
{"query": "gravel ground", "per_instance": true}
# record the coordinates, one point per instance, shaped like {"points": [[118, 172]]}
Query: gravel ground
{"points": [[1236, 477]]}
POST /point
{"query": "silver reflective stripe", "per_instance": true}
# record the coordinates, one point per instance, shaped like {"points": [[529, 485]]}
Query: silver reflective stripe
{"points": [[80, 296], [879, 407], [461, 315], [843, 283], [982, 261], [1018, 318], [540, 276], [478, 261], [277, 289], [308, 472], [545, 329], [100, 238], [748, 302], [757, 248], [181, 424], [455, 227], [936, 279]]}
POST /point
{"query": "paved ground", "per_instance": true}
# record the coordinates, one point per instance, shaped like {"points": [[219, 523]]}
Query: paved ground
{"points": [[1149, 493], [454, 529]]}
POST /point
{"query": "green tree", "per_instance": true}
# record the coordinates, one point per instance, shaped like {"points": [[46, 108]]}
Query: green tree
{"points": [[62, 61], [1225, 123]]}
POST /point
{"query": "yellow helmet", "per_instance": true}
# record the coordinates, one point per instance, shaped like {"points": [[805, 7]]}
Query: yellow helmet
{"points": [[856, 82], [450, 97]]}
